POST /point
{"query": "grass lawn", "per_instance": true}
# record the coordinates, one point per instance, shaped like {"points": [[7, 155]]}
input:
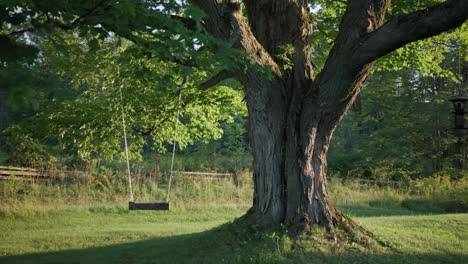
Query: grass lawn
{"points": [[115, 235]]}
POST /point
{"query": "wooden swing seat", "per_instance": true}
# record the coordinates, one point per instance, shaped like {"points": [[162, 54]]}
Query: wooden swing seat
{"points": [[148, 206], [156, 205]]}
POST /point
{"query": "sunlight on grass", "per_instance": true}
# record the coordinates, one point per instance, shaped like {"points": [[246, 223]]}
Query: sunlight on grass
{"points": [[69, 223], [110, 235]]}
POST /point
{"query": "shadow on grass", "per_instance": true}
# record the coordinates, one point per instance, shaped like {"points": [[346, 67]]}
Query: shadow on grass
{"points": [[370, 211], [447, 205], [403, 208], [220, 245]]}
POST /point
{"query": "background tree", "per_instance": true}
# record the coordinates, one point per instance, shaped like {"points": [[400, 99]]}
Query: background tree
{"points": [[88, 125], [403, 127]]}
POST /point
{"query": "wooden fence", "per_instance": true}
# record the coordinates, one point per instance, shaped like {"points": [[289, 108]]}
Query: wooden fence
{"points": [[206, 174], [17, 173], [30, 174]]}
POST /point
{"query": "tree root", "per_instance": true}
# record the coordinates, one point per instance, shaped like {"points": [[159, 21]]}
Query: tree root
{"points": [[341, 230], [352, 231]]}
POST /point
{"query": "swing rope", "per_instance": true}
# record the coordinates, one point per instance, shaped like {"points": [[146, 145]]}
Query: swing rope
{"points": [[126, 146], [129, 180], [171, 173]]}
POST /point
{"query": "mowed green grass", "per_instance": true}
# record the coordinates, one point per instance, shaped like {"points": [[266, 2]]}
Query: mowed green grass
{"points": [[115, 235]]}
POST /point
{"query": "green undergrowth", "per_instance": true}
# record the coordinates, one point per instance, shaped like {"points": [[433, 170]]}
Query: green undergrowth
{"points": [[111, 190], [435, 195]]}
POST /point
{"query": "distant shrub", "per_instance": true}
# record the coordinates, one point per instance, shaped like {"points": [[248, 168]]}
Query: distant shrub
{"points": [[431, 185], [439, 192], [207, 163], [27, 151], [439, 185]]}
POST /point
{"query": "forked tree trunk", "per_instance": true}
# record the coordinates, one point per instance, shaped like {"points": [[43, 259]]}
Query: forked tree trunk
{"points": [[290, 140], [294, 113]]}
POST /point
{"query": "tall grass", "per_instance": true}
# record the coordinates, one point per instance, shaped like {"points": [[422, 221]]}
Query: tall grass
{"points": [[107, 187], [437, 194]]}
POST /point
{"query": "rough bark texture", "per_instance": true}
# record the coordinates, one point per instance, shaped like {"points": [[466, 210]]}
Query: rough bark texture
{"points": [[293, 115]]}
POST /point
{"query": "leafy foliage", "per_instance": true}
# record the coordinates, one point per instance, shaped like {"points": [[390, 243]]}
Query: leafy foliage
{"points": [[90, 124], [402, 130]]}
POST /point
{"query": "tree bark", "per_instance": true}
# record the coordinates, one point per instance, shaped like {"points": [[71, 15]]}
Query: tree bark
{"points": [[293, 114]]}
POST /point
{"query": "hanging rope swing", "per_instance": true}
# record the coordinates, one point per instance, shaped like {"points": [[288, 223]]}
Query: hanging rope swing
{"points": [[164, 205]]}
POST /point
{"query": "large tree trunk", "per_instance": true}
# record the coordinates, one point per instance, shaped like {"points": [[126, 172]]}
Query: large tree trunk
{"points": [[267, 117], [290, 140], [293, 114]]}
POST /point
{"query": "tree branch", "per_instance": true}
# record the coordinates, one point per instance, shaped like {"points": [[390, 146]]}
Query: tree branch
{"points": [[225, 20], [360, 18], [216, 22], [75, 23], [188, 23], [280, 23], [21, 31], [220, 76], [401, 30], [78, 20]]}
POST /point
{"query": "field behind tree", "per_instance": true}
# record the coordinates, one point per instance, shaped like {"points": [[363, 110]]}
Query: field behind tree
{"points": [[87, 222]]}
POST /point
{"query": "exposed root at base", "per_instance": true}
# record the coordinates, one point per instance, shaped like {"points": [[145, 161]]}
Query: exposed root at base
{"points": [[352, 231], [342, 230]]}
